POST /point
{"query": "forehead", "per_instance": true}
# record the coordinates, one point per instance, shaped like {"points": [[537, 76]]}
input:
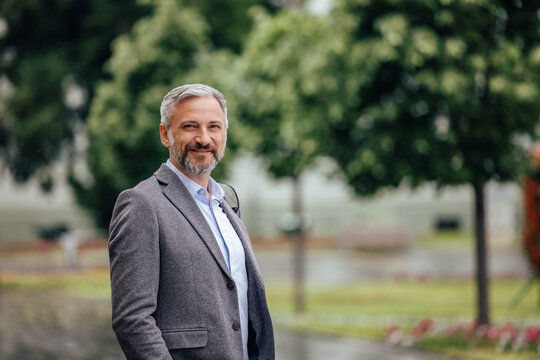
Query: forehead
{"points": [[205, 108]]}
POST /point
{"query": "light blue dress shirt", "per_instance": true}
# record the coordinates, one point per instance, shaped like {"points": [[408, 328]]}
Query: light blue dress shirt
{"points": [[227, 239]]}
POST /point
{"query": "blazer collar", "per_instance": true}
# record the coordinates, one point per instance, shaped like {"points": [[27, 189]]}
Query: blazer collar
{"points": [[175, 191]]}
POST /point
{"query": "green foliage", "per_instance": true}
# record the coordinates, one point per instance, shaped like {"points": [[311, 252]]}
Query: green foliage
{"points": [[180, 42], [46, 46], [228, 21], [123, 123], [50, 45], [444, 91], [279, 97]]}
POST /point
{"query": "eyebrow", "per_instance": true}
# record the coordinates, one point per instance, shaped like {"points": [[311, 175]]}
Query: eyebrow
{"points": [[196, 122]]}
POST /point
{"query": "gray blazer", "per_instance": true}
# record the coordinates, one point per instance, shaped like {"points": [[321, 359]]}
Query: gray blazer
{"points": [[172, 295]]}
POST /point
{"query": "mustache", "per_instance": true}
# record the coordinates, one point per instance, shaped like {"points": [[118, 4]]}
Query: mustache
{"points": [[198, 146]]}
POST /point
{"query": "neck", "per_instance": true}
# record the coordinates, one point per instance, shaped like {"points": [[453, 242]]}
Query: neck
{"points": [[202, 180]]}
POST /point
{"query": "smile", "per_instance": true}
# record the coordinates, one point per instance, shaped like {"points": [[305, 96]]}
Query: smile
{"points": [[202, 151]]}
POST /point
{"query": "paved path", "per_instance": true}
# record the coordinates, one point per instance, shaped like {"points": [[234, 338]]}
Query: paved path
{"points": [[300, 346]]}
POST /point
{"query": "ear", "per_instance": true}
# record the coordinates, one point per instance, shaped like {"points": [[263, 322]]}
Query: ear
{"points": [[163, 133]]}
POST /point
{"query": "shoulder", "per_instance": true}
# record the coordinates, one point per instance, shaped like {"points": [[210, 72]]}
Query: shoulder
{"points": [[144, 189], [141, 196]]}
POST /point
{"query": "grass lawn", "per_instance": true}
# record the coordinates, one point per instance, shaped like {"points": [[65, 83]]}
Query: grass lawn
{"points": [[369, 310], [365, 310], [90, 283], [445, 238]]}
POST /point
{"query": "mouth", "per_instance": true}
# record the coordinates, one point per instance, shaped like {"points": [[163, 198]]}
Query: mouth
{"points": [[201, 151]]}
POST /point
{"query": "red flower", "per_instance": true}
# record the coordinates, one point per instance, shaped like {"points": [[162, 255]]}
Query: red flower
{"points": [[532, 334], [492, 333], [423, 326]]}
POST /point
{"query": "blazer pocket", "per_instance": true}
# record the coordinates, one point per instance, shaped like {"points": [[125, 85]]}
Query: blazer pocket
{"points": [[185, 338]]}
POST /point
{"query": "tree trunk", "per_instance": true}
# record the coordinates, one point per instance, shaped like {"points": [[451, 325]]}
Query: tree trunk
{"points": [[482, 282], [299, 247]]}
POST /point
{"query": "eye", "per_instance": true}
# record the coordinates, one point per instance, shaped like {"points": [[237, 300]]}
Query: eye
{"points": [[188, 126]]}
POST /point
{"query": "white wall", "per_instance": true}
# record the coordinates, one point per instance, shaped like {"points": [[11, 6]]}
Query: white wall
{"points": [[330, 204], [23, 209], [333, 207]]}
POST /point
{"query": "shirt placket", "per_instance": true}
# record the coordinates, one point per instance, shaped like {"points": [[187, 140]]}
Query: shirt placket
{"points": [[213, 204]]}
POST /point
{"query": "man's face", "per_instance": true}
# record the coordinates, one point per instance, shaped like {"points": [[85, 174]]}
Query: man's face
{"points": [[197, 135]]}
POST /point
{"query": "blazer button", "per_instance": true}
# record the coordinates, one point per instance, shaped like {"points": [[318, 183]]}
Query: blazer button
{"points": [[236, 326], [230, 285]]}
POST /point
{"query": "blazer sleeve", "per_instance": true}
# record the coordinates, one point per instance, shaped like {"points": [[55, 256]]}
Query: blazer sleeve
{"points": [[134, 258]]}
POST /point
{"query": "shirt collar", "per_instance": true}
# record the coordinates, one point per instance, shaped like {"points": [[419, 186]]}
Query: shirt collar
{"points": [[196, 190]]}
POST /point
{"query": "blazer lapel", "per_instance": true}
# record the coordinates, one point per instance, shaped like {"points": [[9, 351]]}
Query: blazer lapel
{"points": [[175, 191]]}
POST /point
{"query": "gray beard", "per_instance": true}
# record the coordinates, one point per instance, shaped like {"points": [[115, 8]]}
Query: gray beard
{"points": [[189, 166]]}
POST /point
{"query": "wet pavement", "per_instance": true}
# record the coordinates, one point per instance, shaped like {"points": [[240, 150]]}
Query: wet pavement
{"points": [[331, 267], [301, 346], [53, 325]]}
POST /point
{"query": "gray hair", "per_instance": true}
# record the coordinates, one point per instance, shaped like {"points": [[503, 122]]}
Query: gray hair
{"points": [[184, 92]]}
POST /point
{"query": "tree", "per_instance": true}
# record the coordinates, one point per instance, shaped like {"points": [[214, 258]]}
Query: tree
{"points": [[49, 51], [173, 45], [441, 91], [124, 116], [51, 57], [274, 104], [228, 21]]}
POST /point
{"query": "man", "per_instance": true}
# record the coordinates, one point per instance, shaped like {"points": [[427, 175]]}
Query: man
{"points": [[185, 283]]}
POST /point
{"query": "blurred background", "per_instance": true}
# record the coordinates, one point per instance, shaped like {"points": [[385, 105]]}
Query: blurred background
{"points": [[385, 155]]}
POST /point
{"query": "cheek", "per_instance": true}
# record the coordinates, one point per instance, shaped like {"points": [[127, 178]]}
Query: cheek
{"points": [[182, 141], [221, 140]]}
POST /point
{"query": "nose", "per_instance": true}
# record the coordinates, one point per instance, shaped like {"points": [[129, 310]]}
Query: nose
{"points": [[203, 137]]}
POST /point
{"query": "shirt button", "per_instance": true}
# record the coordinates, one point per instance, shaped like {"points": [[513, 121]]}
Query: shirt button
{"points": [[230, 285], [236, 326]]}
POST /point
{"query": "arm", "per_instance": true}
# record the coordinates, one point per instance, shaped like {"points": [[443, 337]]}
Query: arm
{"points": [[135, 260]]}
